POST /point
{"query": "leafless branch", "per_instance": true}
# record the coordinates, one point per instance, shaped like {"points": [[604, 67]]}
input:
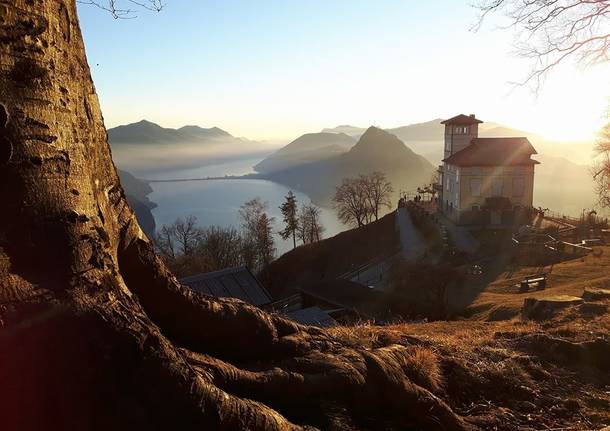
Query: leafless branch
{"points": [[125, 9], [550, 32]]}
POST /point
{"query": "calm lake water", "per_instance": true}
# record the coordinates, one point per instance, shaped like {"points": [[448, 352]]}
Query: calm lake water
{"points": [[217, 202]]}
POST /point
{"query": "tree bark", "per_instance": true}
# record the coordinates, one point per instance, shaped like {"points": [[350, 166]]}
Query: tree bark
{"points": [[95, 333]]}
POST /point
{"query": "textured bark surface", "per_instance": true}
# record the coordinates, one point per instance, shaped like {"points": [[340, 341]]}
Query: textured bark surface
{"points": [[94, 332]]}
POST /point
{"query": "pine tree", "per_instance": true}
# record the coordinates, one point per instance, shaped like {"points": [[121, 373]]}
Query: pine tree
{"points": [[291, 220]]}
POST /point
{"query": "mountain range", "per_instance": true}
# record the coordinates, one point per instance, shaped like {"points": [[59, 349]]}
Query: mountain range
{"points": [[563, 180], [376, 150], [311, 147], [150, 151], [315, 162], [426, 139], [146, 132]]}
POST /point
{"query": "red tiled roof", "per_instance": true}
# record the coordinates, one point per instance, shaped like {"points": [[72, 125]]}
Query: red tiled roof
{"points": [[494, 152], [462, 119]]}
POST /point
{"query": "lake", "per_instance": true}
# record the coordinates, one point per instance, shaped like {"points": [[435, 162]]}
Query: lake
{"points": [[217, 202]]}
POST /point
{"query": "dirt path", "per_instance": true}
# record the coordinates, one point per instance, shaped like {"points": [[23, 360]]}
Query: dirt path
{"points": [[412, 244]]}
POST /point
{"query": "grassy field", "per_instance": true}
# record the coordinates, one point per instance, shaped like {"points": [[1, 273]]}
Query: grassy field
{"points": [[496, 295]]}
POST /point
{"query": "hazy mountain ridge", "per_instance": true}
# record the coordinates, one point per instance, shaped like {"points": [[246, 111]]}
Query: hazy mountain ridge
{"points": [[426, 138], [146, 132], [563, 180], [307, 148], [147, 149], [377, 150]]}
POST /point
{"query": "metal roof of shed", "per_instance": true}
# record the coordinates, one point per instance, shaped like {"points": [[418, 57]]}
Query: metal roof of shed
{"points": [[236, 282], [312, 316]]}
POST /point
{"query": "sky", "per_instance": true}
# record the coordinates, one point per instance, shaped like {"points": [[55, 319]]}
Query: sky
{"points": [[276, 69]]}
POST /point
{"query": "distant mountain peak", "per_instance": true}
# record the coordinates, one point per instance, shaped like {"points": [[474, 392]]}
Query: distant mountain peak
{"points": [[144, 123], [374, 137], [198, 130], [145, 131], [306, 148]]}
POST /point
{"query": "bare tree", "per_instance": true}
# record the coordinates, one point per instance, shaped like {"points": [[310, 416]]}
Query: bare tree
{"points": [[96, 332], [257, 232], [601, 169], [350, 202], [222, 246], [165, 242], [187, 234], [378, 192], [552, 31], [310, 228]]}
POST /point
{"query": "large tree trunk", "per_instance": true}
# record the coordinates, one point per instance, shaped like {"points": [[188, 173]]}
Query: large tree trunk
{"points": [[95, 333]]}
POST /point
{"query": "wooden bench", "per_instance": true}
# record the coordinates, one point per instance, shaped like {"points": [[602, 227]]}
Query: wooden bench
{"points": [[538, 279]]}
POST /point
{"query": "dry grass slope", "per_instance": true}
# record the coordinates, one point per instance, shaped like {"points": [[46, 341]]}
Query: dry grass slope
{"points": [[501, 298], [511, 374]]}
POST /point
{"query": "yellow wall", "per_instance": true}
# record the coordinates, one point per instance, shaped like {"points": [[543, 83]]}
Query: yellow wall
{"points": [[487, 176]]}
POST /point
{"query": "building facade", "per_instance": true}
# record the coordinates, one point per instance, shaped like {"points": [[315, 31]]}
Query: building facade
{"points": [[484, 180]]}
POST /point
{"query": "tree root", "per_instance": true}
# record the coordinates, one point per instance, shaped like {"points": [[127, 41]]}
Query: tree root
{"points": [[302, 363]]}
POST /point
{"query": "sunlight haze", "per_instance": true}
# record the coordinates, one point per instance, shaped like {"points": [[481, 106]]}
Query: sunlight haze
{"points": [[275, 70]]}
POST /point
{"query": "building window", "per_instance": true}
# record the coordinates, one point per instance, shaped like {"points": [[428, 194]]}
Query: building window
{"points": [[475, 187], [461, 130], [497, 188], [518, 187]]}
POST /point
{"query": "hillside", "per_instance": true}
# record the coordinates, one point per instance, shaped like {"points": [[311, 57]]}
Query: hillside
{"points": [[496, 296], [494, 367], [331, 257], [510, 375], [136, 192], [311, 147], [376, 150], [149, 150]]}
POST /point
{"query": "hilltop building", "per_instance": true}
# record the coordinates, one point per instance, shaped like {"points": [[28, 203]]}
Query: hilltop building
{"points": [[484, 180]]}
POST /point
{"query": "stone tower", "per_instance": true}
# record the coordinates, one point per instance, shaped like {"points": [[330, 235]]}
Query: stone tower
{"points": [[459, 132]]}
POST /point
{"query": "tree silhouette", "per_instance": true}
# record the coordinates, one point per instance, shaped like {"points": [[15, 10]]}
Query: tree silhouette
{"points": [[291, 222], [554, 31]]}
